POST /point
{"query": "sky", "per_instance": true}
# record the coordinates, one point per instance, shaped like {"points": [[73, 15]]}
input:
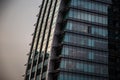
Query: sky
{"points": [[17, 18]]}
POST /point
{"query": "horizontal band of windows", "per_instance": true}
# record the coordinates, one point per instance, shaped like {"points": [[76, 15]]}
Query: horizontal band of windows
{"points": [[81, 73], [74, 34], [84, 73], [85, 22], [86, 16], [70, 76], [91, 5], [86, 41], [83, 59], [88, 10], [86, 28], [76, 44], [81, 46], [83, 66], [84, 49], [84, 54], [85, 34]]}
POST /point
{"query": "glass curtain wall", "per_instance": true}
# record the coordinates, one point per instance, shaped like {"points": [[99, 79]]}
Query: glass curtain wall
{"points": [[85, 42]]}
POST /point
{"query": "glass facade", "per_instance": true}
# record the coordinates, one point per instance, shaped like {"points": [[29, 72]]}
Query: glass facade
{"points": [[85, 54], [90, 5], [82, 66], [84, 51], [85, 41], [70, 41], [86, 28], [87, 16], [70, 76]]}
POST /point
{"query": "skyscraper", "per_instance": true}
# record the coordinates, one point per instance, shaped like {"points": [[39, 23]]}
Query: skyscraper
{"points": [[70, 41], [114, 40]]}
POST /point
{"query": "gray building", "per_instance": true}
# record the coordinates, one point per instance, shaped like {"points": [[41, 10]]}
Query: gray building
{"points": [[70, 41]]}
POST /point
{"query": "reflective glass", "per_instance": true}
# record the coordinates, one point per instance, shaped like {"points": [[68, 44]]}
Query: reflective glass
{"points": [[85, 28], [86, 41], [84, 66], [87, 16], [71, 76], [90, 5]]}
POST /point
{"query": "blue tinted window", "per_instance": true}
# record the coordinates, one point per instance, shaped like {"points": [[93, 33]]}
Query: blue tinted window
{"points": [[89, 29], [91, 5], [66, 38], [65, 77], [71, 76], [70, 26], [87, 16], [91, 55], [61, 77], [63, 64], [90, 42], [84, 66], [99, 31], [86, 41], [91, 68]]}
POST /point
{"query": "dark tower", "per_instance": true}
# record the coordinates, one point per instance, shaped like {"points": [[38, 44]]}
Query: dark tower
{"points": [[114, 40]]}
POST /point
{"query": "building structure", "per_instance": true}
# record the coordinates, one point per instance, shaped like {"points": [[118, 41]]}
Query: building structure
{"points": [[70, 41], [114, 40]]}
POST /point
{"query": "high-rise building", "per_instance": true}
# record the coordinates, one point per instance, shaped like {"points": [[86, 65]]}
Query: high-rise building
{"points": [[114, 40], [70, 41]]}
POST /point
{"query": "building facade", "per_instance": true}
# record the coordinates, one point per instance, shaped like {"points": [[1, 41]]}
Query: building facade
{"points": [[114, 40], [70, 41]]}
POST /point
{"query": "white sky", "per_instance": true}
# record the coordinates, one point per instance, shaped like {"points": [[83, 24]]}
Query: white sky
{"points": [[16, 27]]}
